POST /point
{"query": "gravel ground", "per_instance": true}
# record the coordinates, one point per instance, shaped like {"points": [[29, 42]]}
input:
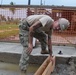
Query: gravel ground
{"points": [[65, 69]]}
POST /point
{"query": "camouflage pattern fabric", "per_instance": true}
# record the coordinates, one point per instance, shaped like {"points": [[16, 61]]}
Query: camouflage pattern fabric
{"points": [[23, 36]]}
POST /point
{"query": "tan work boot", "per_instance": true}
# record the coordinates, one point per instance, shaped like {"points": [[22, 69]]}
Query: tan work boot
{"points": [[44, 52]]}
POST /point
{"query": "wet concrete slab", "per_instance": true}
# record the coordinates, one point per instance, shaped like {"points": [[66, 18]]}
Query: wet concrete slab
{"points": [[17, 48], [10, 47], [67, 51], [11, 52]]}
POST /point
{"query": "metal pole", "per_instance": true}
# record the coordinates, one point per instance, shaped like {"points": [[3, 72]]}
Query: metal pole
{"points": [[29, 2], [28, 10], [41, 2]]}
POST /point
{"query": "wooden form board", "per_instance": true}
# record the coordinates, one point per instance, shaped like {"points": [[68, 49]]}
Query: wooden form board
{"points": [[46, 68]]}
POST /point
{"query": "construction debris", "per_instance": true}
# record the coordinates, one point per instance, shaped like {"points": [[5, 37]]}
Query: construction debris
{"points": [[65, 69]]}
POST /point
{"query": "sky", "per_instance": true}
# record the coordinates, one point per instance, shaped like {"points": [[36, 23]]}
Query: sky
{"points": [[45, 2]]}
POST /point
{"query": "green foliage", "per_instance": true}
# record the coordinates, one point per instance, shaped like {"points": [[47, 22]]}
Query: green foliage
{"points": [[8, 30], [8, 26], [11, 3], [8, 34]]}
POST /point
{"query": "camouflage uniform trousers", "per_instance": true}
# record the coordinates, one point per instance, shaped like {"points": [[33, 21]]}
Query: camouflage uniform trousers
{"points": [[23, 35]]}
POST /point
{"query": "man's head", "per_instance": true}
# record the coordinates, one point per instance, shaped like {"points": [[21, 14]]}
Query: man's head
{"points": [[61, 24]]}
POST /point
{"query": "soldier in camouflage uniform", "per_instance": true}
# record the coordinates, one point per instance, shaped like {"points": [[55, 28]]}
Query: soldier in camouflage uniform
{"points": [[38, 26]]}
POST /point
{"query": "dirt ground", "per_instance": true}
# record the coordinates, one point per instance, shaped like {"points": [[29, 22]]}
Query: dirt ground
{"points": [[56, 39]]}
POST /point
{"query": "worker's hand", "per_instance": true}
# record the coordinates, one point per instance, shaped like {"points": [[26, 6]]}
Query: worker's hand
{"points": [[51, 59], [29, 50]]}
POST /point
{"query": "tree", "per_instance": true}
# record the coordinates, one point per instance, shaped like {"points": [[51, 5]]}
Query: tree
{"points": [[12, 9], [11, 3]]}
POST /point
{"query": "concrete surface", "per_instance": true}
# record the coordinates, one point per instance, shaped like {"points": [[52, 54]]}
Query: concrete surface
{"points": [[11, 52]]}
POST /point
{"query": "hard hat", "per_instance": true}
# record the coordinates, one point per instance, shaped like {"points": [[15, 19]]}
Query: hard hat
{"points": [[64, 23]]}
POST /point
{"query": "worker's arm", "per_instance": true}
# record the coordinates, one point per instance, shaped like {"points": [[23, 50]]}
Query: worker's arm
{"points": [[31, 31], [35, 26], [49, 45], [50, 48]]}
